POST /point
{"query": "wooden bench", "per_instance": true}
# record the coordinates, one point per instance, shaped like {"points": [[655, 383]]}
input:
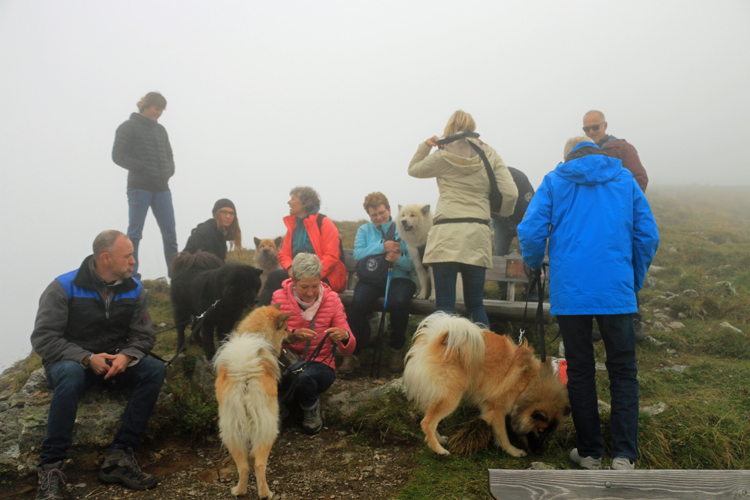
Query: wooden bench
{"points": [[508, 269], [617, 484]]}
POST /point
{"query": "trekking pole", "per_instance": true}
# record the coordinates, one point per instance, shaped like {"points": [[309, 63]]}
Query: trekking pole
{"points": [[381, 333]]}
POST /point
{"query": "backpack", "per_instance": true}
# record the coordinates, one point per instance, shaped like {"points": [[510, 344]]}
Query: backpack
{"points": [[341, 245]]}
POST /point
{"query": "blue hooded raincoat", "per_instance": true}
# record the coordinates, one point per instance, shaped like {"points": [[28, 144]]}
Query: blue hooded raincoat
{"points": [[602, 235]]}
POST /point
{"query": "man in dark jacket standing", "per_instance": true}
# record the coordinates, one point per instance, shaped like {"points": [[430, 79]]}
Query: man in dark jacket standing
{"points": [[142, 147], [93, 327], [595, 128]]}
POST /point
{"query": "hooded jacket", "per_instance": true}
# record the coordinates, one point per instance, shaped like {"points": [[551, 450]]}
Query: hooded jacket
{"points": [[330, 314], [80, 315], [464, 193], [206, 237], [142, 147], [602, 234], [326, 243]]}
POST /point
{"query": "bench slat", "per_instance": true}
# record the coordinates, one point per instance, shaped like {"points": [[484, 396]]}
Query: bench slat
{"points": [[631, 485]]}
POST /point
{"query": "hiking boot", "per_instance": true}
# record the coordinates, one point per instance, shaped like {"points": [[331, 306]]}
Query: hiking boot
{"points": [[312, 420], [622, 463], [51, 482], [396, 363], [350, 363], [121, 466], [589, 463], [638, 327]]}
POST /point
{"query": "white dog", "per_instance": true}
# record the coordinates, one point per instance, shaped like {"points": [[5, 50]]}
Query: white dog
{"points": [[414, 222]]}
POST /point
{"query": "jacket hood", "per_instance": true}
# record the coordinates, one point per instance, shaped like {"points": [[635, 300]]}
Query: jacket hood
{"points": [[462, 156], [591, 169]]}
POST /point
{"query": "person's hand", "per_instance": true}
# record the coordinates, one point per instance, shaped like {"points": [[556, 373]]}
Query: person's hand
{"points": [[119, 364], [392, 256], [432, 141], [337, 334], [392, 246], [100, 363], [303, 334]]}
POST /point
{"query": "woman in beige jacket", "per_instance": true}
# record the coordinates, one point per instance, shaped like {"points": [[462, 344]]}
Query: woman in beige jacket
{"points": [[461, 240]]}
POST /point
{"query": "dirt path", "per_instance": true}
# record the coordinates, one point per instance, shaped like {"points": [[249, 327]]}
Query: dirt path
{"points": [[330, 465]]}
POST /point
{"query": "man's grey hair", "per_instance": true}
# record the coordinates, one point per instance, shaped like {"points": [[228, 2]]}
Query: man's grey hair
{"points": [[598, 113], [306, 265], [308, 197], [105, 242], [573, 142]]}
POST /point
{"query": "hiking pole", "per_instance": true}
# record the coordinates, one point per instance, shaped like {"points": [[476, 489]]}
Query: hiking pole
{"points": [[381, 329]]}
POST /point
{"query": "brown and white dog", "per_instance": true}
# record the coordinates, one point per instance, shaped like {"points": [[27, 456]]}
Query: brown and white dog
{"points": [[452, 358], [267, 256], [247, 375]]}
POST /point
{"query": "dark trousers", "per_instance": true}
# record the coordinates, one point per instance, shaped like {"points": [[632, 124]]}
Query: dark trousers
{"points": [[69, 381], [619, 340], [399, 296], [446, 274], [314, 381]]}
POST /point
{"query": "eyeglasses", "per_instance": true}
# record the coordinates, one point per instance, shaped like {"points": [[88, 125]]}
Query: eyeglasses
{"points": [[226, 212], [595, 128]]}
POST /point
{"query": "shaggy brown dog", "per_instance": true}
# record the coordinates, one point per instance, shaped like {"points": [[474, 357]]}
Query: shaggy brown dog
{"points": [[452, 358], [267, 256], [247, 375]]}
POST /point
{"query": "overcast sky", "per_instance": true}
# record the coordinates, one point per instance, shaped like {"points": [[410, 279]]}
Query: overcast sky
{"points": [[265, 96]]}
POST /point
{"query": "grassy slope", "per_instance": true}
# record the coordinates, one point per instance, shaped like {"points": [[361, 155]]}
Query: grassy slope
{"points": [[705, 425]]}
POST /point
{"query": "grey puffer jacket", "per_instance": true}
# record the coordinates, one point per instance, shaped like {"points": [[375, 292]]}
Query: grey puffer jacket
{"points": [[142, 147]]}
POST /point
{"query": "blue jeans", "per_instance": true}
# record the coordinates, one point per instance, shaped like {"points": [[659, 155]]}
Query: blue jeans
{"points": [[139, 201], [445, 289], [399, 296], [69, 381], [619, 340], [313, 382]]}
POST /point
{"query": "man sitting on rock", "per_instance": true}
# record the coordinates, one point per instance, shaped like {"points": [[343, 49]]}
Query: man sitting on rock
{"points": [[93, 327]]}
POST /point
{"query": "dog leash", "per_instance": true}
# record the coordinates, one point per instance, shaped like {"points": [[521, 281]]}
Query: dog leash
{"points": [[197, 326], [539, 283]]}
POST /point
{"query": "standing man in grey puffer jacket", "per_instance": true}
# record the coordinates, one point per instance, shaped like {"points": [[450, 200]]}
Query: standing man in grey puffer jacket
{"points": [[142, 147]]}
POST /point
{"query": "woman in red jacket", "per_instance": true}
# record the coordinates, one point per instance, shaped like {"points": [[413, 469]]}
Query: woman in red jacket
{"points": [[308, 299], [308, 231]]}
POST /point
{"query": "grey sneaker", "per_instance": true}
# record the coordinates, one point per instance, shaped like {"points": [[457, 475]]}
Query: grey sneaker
{"points": [[349, 364], [396, 363], [51, 482], [312, 420], [121, 466], [622, 463], [589, 463]]}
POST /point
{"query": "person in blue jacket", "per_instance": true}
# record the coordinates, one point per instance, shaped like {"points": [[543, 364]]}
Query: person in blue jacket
{"points": [[371, 240], [602, 238]]}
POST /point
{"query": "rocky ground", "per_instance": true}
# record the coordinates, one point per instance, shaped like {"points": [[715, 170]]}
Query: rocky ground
{"points": [[330, 465]]}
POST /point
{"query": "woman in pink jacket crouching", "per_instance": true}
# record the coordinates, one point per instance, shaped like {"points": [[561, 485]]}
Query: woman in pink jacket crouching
{"points": [[307, 299]]}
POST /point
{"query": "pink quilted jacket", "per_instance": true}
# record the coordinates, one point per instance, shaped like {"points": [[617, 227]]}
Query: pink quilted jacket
{"points": [[330, 314]]}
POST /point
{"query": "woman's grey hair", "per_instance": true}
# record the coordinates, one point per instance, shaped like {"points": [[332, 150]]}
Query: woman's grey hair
{"points": [[305, 266], [308, 196], [573, 142], [105, 242]]}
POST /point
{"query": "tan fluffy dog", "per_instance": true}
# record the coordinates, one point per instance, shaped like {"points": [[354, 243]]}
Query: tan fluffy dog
{"points": [[452, 358], [267, 256], [247, 374]]}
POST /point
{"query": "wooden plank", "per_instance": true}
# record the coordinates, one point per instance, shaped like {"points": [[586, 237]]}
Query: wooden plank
{"points": [[623, 485]]}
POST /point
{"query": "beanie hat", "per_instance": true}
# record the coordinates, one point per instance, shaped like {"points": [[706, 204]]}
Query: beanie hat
{"points": [[223, 203]]}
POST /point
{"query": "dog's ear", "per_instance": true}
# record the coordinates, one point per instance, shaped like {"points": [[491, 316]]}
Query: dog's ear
{"points": [[257, 241], [539, 415], [277, 306], [425, 210], [278, 242], [400, 207], [281, 320]]}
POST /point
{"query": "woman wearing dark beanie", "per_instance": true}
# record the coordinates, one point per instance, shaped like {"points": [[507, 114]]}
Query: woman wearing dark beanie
{"points": [[212, 235]]}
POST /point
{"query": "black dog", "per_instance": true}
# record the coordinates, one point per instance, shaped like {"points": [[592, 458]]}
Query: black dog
{"points": [[198, 280]]}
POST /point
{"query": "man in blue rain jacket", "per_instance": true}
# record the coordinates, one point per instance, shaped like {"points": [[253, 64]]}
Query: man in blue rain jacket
{"points": [[602, 237]]}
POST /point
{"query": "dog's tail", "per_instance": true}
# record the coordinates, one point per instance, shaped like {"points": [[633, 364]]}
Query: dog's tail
{"points": [[184, 261], [441, 334], [247, 376]]}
